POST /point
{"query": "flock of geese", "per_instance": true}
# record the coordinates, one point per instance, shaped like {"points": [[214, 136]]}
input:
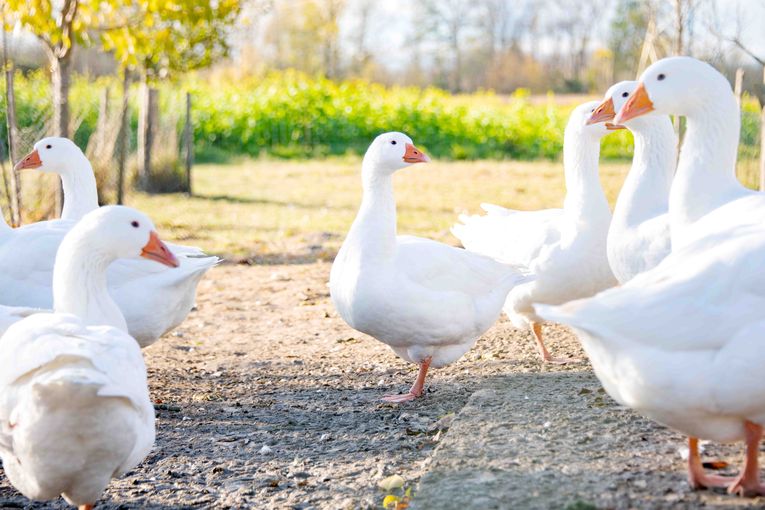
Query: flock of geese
{"points": [[664, 294]]}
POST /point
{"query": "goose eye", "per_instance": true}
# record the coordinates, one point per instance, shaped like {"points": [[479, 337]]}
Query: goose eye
{"points": [[661, 76], [49, 146], [135, 224], [625, 94], [393, 142]]}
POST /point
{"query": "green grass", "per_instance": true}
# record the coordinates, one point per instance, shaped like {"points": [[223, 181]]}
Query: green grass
{"points": [[290, 115], [281, 210]]}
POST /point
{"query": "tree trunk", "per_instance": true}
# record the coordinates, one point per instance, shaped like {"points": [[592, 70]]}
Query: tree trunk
{"points": [[61, 70], [739, 85], [762, 150], [103, 120], [188, 142], [10, 118], [679, 27], [146, 127], [122, 140], [762, 139]]}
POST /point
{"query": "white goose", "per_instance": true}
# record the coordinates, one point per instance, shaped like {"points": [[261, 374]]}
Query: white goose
{"points": [[705, 196], [683, 345], [564, 248], [638, 238], [11, 314], [428, 301], [152, 298], [74, 403]]}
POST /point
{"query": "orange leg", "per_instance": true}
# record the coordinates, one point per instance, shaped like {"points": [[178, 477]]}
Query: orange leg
{"points": [[86, 507], [697, 477], [748, 484], [417, 387], [536, 328]]}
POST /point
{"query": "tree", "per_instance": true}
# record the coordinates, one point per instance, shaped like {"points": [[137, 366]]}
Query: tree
{"points": [[447, 21], [305, 35], [626, 36], [172, 37], [61, 26]]}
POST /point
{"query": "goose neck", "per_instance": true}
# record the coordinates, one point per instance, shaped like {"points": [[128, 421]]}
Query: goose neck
{"points": [[375, 226], [80, 286], [584, 194], [645, 193], [80, 191], [706, 170]]}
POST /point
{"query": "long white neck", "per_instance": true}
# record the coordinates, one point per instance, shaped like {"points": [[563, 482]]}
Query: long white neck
{"points": [[80, 192], [79, 283], [645, 193], [374, 229], [706, 171], [584, 194]]}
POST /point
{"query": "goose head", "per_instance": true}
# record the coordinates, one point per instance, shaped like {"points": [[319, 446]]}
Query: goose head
{"points": [[613, 101], [55, 155], [122, 232], [579, 125], [675, 86], [392, 151]]}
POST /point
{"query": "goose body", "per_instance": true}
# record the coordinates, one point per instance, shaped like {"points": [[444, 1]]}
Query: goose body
{"points": [[683, 343], [428, 301], [153, 299], [12, 314], [564, 248], [74, 403], [639, 234]]}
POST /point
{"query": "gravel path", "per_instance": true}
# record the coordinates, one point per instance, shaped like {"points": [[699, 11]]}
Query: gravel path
{"points": [[268, 400]]}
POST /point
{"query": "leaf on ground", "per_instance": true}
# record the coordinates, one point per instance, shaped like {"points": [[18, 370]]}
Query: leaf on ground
{"points": [[391, 483], [715, 464], [390, 501]]}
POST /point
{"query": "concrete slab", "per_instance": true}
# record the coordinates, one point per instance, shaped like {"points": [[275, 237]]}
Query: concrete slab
{"points": [[556, 440]]}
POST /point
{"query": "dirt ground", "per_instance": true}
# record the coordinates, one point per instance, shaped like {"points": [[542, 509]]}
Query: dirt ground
{"points": [[268, 400]]}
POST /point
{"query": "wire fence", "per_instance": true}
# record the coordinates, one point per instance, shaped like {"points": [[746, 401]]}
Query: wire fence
{"points": [[96, 125]]}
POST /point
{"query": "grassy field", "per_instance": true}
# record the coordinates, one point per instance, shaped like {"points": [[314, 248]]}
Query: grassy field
{"points": [[276, 210]]}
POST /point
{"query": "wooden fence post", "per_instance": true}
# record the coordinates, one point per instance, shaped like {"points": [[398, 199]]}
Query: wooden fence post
{"points": [[762, 138], [10, 118], [739, 84], [188, 142], [103, 119], [146, 130], [123, 136]]}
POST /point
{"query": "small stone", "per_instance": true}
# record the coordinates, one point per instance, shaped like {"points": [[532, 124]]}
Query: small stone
{"points": [[265, 450]]}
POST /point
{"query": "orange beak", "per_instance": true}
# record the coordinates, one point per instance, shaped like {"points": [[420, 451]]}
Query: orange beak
{"points": [[637, 105], [613, 127], [414, 155], [31, 160], [603, 113], [157, 251]]}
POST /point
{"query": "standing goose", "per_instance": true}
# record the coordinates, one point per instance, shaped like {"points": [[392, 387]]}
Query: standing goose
{"points": [[74, 403], [683, 345], [705, 197], [564, 248], [428, 301], [152, 298], [639, 238]]}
